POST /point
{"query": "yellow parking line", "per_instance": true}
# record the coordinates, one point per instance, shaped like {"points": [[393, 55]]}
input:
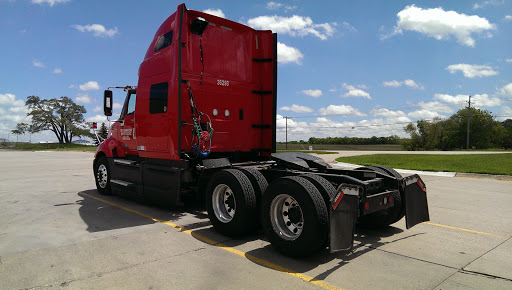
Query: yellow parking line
{"points": [[465, 230], [224, 247]]}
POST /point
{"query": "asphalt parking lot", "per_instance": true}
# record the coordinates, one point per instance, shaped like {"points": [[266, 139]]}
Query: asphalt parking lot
{"points": [[57, 231]]}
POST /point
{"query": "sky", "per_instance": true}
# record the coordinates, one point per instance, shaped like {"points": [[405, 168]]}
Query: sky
{"points": [[345, 68]]}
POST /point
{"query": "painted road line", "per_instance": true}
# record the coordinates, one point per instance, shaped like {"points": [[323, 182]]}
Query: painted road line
{"points": [[224, 247], [466, 230]]}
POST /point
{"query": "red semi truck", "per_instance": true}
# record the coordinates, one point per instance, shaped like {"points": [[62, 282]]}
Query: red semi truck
{"points": [[202, 123]]}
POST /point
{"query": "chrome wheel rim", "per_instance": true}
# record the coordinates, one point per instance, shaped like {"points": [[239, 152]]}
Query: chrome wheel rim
{"points": [[224, 203], [102, 176], [286, 217]]}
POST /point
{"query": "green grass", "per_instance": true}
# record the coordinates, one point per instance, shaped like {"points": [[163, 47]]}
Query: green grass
{"points": [[50, 146], [500, 164], [306, 151], [378, 147]]}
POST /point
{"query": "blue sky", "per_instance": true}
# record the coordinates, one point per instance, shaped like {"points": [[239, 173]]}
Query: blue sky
{"points": [[346, 68]]}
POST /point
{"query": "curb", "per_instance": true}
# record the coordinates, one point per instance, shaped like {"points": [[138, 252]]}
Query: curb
{"points": [[406, 171]]}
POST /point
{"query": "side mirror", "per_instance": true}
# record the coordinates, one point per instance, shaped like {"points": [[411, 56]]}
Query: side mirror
{"points": [[107, 103]]}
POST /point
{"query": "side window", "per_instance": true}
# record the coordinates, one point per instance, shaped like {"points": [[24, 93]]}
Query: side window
{"points": [[164, 41], [131, 105], [158, 98]]}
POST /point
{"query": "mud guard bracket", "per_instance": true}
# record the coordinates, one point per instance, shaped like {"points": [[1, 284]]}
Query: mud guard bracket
{"points": [[416, 206], [343, 209]]}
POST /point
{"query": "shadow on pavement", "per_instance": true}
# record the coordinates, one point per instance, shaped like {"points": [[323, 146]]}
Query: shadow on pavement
{"points": [[100, 216]]}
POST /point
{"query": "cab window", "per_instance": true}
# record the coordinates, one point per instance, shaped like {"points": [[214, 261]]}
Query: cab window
{"points": [[164, 41], [129, 106], [158, 98]]}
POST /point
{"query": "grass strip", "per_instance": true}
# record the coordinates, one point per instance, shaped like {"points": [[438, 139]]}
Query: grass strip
{"points": [[306, 151], [499, 164]]}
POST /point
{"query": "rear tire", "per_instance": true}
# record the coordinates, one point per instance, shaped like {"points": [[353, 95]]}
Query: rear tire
{"points": [[327, 190], [102, 176], [390, 215], [295, 217], [231, 203]]}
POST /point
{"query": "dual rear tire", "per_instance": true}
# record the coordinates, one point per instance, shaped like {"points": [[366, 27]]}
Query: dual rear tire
{"points": [[294, 213]]}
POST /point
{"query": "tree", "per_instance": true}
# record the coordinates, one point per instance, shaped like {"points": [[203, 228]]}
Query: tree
{"points": [[485, 132], [103, 131], [507, 139], [61, 116], [452, 133], [102, 134], [21, 128]]}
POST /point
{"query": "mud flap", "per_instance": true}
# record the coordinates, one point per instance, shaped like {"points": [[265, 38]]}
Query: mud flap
{"points": [[416, 207], [343, 212]]}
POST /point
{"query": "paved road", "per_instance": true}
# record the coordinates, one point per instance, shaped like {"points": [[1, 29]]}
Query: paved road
{"points": [[57, 231]]}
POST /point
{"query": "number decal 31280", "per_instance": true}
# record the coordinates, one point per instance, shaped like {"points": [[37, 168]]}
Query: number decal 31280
{"points": [[223, 83]]}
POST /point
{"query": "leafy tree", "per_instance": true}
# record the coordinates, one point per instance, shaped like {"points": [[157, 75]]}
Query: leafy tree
{"points": [[61, 116], [485, 132], [451, 134], [507, 138]]}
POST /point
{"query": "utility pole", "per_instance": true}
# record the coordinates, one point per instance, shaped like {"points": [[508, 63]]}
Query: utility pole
{"points": [[469, 121]]}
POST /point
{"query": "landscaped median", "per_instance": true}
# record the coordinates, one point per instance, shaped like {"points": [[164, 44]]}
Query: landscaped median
{"points": [[497, 164]]}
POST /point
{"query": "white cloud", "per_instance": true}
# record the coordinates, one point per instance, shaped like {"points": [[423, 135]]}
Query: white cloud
{"points": [[57, 71], [37, 63], [340, 110], [83, 99], [10, 100], [89, 86], [276, 5], [294, 26], [506, 90], [216, 12], [117, 106], [506, 113], [435, 106], [49, 2], [98, 119], [97, 109], [313, 93], [413, 84], [472, 71], [297, 109], [477, 100], [392, 83], [425, 114], [487, 3], [97, 30], [387, 113], [508, 17], [408, 83], [287, 54], [508, 60], [441, 24], [354, 92], [71, 86]]}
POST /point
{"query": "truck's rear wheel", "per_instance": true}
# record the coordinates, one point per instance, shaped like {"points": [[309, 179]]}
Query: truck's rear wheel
{"points": [[231, 203], [390, 215], [102, 176], [294, 216]]}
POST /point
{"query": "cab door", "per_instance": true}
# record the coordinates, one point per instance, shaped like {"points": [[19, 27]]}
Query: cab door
{"points": [[127, 134]]}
